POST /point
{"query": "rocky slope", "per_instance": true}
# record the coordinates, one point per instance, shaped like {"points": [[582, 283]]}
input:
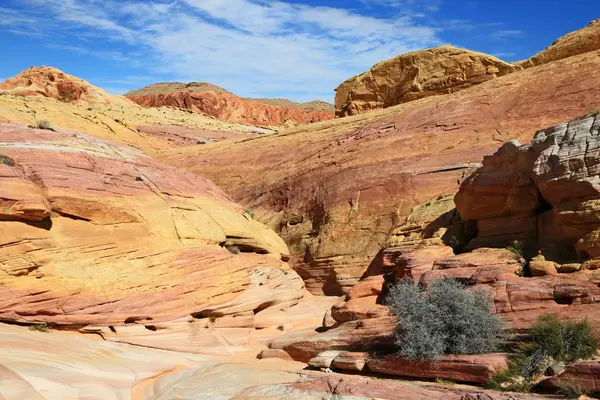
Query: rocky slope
{"points": [[94, 233], [226, 106], [55, 84], [34, 96], [444, 70], [415, 75], [336, 190], [574, 43]]}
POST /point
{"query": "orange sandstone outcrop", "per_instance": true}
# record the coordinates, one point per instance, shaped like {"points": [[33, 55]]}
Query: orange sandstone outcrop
{"points": [[229, 107], [571, 44], [415, 75], [336, 190], [53, 83], [97, 233]]}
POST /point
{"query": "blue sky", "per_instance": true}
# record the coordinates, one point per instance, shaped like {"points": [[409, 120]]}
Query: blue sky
{"points": [[296, 49]]}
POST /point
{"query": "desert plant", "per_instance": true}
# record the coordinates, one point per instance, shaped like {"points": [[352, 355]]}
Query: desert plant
{"points": [[212, 319], [233, 249], [443, 319], [249, 212], [564, 340], [280, 327], [41, 327], [200, 142], [517, 249], [6, 161], [44, 124], [139, 179], [552, 341]]}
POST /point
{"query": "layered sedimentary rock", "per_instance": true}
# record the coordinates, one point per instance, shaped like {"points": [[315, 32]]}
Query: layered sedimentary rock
{"points": [[545, 193], [229, 107], [336, 191], [55, 84], [571, 44], [415, 75], [97, 233]]}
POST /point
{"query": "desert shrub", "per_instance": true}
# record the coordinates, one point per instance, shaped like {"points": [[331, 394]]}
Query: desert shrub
{"points": [[281, 327], [552, 341], [44, 124], [6, 161], [139, 179], [517, 249], [249, 212], [233, 249], [444, 319], [564, 340], [212, 319], [41, 327]]}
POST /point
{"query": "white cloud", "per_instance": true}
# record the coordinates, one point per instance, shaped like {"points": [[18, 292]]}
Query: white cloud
{"points": [[255, 48]]}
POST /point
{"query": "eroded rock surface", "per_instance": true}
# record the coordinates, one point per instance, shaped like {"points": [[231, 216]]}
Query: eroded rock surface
{"points": [[336, 191], [97, 233], [546, 193], [415, 75], [229, 107]]}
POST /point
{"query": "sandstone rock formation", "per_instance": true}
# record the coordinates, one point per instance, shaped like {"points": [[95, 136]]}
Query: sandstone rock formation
{"points": [[571, 44], [544, 193], [55, 84], [114, 118], [336, 191], [97, 233], [217, 102], [415, 75]]}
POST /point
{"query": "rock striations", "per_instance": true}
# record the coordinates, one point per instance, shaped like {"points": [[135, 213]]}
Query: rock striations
{"points": [[97, 233], [216, 101]]}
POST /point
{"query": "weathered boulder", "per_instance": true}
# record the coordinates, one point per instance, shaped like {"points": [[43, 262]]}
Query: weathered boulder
{"points": [[546, 193], [415, 75], [97, 233], [586, 374], [350, 361], [476, 368]]}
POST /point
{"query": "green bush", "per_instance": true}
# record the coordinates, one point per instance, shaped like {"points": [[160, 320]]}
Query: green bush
{"points": [[444, 319], [233, 249], [249, 212], [552, 341], [570, 389], [41, 327], [564, 340], [6, 161]]}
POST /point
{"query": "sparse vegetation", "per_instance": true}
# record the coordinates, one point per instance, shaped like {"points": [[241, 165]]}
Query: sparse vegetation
{"points": [[570, 389], [552, 341], [444, 319], [41, 327], [249, 212], [44, 124], [281, 327], [517, 249], [6, 161], [200, 142], [139, 179], [233, 249], [212, 319]]}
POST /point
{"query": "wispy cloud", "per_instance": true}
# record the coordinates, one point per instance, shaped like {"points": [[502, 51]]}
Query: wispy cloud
{"points": [[507, 34], [252, 47]]}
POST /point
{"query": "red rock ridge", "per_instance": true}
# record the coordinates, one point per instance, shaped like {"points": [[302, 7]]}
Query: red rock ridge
{"points": [[229, 107]]}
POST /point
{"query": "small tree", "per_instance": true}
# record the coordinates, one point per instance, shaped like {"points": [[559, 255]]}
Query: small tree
{"points": [[444, 319]]}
